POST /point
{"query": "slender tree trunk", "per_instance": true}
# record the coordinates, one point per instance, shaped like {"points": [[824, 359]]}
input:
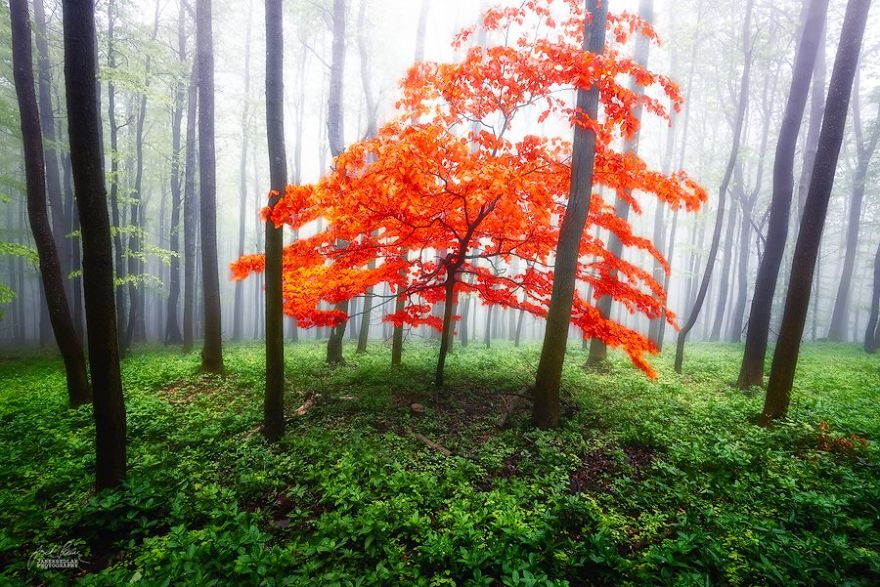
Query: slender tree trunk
{"points": [[400, 301], [372, 129], [190, 220], [136, 323], [336, 135], [465, 317], [238, 302], [817, 110], [722, 191], [47, 123], [598, 349], [752, 369], [797, 300], [212, 351], [545, 411], [118, 249], [78, 391], [865, 147], [870, 331], [273, 408], [172, 324], [726, 269], [80, 69], [76, 254], [446, 334]]}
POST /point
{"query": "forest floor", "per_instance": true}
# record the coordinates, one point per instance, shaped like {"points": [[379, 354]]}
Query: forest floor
{"points": [[665, 482]]}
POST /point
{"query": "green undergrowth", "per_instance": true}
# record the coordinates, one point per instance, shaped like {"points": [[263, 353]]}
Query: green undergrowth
{"points": [[664, 482]]}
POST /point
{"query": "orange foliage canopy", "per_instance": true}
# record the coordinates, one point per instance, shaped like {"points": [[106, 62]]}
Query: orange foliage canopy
{"points": [[453, 189]]}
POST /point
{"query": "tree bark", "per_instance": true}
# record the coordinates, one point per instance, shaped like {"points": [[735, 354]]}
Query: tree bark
{"points": [[722, 190], [212, 351], [190, 220], [806, 251], [448, 309], [273, 410], [752, 368], [545, 409], [78, 391], [80, 68]]}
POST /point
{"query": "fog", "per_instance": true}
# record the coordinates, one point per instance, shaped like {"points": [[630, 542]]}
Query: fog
{"points": [[701, 50]]}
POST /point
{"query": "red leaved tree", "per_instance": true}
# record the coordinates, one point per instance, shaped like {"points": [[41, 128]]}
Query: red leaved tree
{"points": [[442, 206]]}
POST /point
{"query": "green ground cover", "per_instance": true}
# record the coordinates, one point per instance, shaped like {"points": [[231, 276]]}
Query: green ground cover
{"points": [[664, 482]]}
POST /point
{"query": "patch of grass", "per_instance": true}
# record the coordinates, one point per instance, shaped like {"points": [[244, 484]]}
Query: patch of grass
{"points": [[661, 482]]}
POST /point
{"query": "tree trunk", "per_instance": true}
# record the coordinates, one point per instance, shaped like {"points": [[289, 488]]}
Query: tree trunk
{"points": [[817, 110], [136, 323], [446, 334], [118, 249], [336, 136], [722, 190], [238, 301], [870, 331], [545, 411], [80, 69], [797, 300], [190, 201], [865, 147], [400, 301], [172, 324], [372, 129], [212, 351], [58, 217], [752, 369], [78, 391], [273, 410], [726, 269], [76, 254], [598, 349]]}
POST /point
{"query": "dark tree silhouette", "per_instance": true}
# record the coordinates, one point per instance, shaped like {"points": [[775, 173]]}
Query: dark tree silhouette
{"points": [[78, 391], [752, 369], [273, 410], [797, 300], [545, 409], [80, 69], [212, 351]]}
